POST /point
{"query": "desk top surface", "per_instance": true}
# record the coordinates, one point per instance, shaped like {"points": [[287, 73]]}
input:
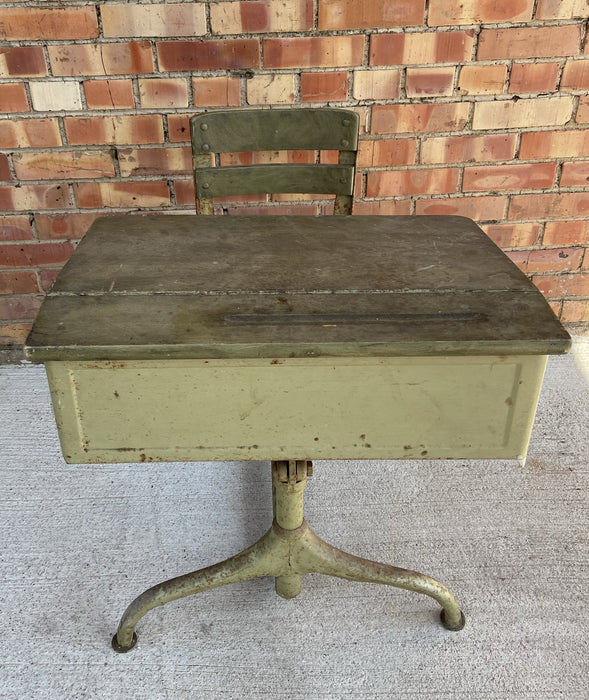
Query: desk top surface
{"points": [[169, 286]]}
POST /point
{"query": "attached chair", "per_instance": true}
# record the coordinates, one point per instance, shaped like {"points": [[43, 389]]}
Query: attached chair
{"points": [[275, 130]]}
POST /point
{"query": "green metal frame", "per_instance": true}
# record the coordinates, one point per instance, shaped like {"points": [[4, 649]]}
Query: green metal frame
{"points": [[288, 551]]}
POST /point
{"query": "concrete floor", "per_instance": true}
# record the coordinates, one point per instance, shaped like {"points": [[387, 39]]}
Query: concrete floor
{"points": [[80, 542]]}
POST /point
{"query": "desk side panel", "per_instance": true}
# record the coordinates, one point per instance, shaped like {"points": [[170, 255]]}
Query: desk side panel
{"points": [[318, 408]]}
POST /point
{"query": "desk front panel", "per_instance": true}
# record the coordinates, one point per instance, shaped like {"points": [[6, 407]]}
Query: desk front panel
{"points": [[313, 408]]}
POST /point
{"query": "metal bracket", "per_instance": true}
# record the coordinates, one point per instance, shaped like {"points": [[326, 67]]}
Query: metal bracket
{"points": [[293, 471]]}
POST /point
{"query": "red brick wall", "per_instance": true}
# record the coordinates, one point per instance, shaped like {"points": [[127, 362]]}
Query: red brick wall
{"points": [[472, 107]]}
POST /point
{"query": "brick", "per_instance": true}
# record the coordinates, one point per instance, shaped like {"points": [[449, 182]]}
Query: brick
{"points": [[386, 152], [30, 133], [574, 311], [13, 97], [554, 144], [311, 52], [583, 111], [52, 23], [567, 285], [15, 308], [275, 210], [429, 82], [132, 57], [549, 206], [14, 333], [178, 128], [140, 20], [154, 161], [468, 149], [324, 86], [22, 61], [534, 77], [55, 95], [15, 228], [380, 84], [383, 207], [524, 113], [561, 9], [109, 94], [421, 48], [351, 14], [415, 118], [265, 157], [128, 129], [529, 42], [478, 208], [566, 233], [575, 75], [71, 225], [22, 282], [185, 194], [213, 54], [36, 254], [450, 12], [163, 92], [220, 91], [547, 260], [575, 174], [58, 165], [4, 168], [515, 176], [482, 80], [402, 183], [516, 235], [48, 277], [268, 88], [32, 197], [90, 195], [294, 197], [262, 16]]}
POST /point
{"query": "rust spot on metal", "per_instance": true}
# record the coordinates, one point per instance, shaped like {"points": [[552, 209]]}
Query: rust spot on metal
{"points": [[316, 439], [363, 436], [509, 401], [423, 453], [142, 457], [407, 447], [276, 362], [116, 393]]}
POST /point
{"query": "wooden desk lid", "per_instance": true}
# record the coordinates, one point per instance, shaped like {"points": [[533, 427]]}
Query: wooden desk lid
{"points": [[147, 287]]}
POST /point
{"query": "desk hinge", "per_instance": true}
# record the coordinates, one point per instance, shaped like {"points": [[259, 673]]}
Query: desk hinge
{"points": [[293, 471]]}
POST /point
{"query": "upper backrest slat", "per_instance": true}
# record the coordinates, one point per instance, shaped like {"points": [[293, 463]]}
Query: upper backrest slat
{"points": [[274, 130]]}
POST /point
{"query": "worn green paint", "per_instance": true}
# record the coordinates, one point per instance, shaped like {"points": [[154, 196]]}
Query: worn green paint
{"points": [[275, 130], [288, 551], [275, 178], [187, 287], [301, 408], [288, 339]]}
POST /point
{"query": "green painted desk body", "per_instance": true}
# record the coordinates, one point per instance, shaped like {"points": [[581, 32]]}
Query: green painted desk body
{"points": [[290, 339]]}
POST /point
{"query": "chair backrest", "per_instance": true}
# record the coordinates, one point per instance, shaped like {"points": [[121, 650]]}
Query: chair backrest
{"points": [[237, 131]]}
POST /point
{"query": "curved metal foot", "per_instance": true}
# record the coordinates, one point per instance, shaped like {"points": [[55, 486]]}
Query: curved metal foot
{"points": [[121, 649], [321, 557], [455, 628], [267, 557]]}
